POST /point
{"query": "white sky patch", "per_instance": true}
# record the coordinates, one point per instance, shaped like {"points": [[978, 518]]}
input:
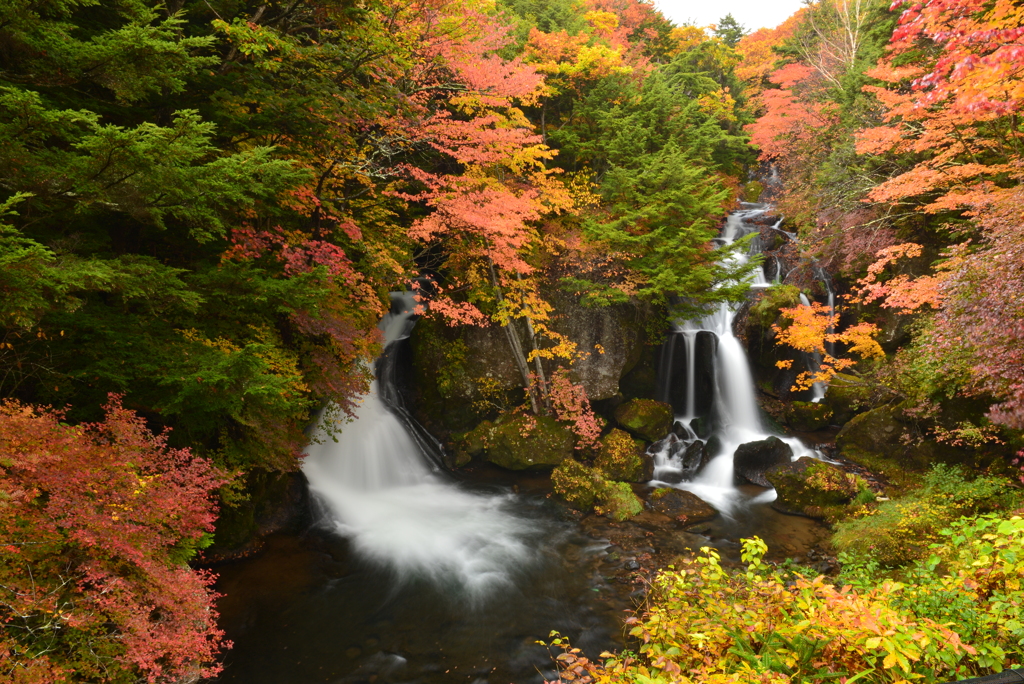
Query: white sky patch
{"points": [[751, 14]]}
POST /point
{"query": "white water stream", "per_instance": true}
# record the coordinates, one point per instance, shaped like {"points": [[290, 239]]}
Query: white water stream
{"points": [[735, 409], [379, 491]]}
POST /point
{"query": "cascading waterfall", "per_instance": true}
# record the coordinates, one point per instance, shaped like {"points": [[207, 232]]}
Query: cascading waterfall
{"points": [[734, 409], [378, 487]]}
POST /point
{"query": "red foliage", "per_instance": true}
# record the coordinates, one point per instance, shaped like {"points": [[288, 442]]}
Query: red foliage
{"points": [[97, 522], [792, 114], [571, 405]]}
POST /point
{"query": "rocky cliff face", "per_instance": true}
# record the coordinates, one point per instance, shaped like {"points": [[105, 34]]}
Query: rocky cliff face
{"points": [[459, 370]]}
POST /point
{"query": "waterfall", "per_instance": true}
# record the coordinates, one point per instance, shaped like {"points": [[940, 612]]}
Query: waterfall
{"points": [[734, 412], [377, 486]]}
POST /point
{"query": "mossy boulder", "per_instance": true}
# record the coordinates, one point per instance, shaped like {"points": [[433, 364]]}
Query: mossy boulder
{"points": [[577, 484], [847, 396], [806, 416], [753, 459], [752, 191], [528, 443], [584, 488], [681, 505], [648, 419], [814, 488], [620, 457], [883, 441], [617, 500]]}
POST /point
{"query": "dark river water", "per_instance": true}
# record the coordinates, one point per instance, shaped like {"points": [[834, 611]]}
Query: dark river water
{"points": [[307, 609]]}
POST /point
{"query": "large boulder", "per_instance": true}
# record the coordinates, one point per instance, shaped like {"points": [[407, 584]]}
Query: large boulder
{"points": [[454, 368], [807, 416], [528, 443], [881, 441], [814, 488], [610, 336], [752, 460], [648, 419], [681, 505], [620, 457], [695, 457]]}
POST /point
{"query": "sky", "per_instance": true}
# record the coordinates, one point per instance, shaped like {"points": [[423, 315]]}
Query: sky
{"points": [[751, 14]]}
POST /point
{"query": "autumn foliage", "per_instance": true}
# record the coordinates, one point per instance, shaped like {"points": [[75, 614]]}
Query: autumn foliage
{"points": [[97, 523], [809, 329]]}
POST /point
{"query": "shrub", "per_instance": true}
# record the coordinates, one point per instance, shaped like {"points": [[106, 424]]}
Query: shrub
{"points": [[899, 531], [97, 522], [764, 624], [617, 500]]}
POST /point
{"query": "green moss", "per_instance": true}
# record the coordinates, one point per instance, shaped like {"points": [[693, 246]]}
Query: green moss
{"points": [[648, 419], [765, 310], [619, 457], [806, 416], [752, 191], [616, 500], [847, 396], [818, 489], [528, 442]]}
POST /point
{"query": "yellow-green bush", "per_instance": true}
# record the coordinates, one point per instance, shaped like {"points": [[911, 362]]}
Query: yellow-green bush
{"points": [[762, 624], [585, 488]]}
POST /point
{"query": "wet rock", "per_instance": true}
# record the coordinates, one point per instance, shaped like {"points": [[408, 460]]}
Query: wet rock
{"points": [[806, 416], [813, 488], [701, 426], [620, 457], [713, 447], [695, 457], [681, 505], [753, 459], [647, 465], [528, 443], [648, 419]]}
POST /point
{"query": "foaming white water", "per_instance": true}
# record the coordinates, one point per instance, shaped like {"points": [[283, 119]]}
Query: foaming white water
{"points": [[736, 407], [378, 490]]}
